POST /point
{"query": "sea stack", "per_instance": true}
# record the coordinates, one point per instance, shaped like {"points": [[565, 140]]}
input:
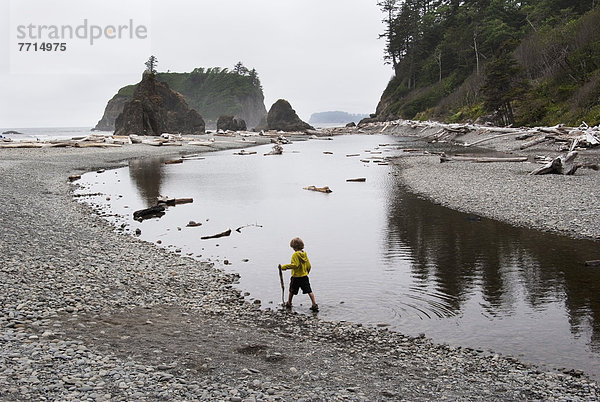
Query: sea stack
{"points": [[156, 109], [282, 117]]}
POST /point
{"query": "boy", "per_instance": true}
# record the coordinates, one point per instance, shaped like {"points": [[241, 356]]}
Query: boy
{"points": [[300, 267]]}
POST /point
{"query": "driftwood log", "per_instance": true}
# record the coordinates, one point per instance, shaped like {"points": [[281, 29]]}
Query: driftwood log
{"points": [[533, 142], [325, 189], [277, 150], [481, 159], [244, 152], [563, 164], [222, 234], [357, 180], [153, 212], [174, 201], [173, 161]]}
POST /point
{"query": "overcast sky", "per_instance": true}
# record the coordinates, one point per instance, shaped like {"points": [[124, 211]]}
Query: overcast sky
{"points": [[319, 54]]}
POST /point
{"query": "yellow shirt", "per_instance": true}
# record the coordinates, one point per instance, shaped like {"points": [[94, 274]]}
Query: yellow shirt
{"points": [[300, 265]]}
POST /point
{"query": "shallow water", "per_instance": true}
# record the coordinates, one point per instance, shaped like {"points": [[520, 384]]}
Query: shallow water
{"points": [[380, 255]]}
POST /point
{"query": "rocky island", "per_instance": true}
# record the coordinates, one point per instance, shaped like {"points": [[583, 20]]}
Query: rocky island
{"points": [[212, 92], [282, 117], [156, 109]]}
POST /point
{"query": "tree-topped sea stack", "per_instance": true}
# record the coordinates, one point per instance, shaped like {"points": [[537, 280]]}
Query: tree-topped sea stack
{"points": [[282, 117], [212, 92], [156, 109]]}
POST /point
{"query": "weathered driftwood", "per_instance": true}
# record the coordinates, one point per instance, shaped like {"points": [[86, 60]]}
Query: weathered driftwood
{"points": [[174, 201], [563, 164], [524, 136], [491, 138], [21, 145], [173, 161], [222, 234], [96, 145], [155, 142], [244, 152], [357, 180], [533, 142], [481, 159], [192, 224], [153, 212], [325, 189], [351, 155], [74, 177], [60, 144], [277, 150]]}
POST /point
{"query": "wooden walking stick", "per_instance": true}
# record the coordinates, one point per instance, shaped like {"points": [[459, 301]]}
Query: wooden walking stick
{"points": [[282, 285]]}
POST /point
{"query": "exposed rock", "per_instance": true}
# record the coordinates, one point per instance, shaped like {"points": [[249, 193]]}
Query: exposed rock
{"points": [[156, 109], [283, 117], [113, 109], [351, 124], [231, 123]]}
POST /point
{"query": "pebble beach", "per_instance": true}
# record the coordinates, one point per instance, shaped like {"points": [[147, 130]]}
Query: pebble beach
{"points": [[89, 313]]}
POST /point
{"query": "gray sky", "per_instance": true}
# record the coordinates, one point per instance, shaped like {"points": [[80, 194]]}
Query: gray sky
{"points": [[318, 54]]}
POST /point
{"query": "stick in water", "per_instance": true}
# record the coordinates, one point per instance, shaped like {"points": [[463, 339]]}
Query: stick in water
{"points": [[282, 285]]}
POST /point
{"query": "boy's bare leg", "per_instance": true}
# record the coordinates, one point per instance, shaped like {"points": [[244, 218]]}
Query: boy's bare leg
{"points": [[312, 298], [289, 303]]}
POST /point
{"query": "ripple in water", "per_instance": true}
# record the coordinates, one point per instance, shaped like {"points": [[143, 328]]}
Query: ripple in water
{"points": [[379, 254]]}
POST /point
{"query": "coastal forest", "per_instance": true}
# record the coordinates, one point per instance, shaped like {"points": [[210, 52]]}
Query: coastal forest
{"points": [[527, 63]]}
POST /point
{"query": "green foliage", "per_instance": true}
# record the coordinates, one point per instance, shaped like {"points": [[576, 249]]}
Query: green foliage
{"points": [[127, 90], [215, 91], [151, 64], [528, 62]]}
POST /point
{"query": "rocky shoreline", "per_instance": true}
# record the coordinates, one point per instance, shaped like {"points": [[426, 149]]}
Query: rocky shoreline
{"points": [[92, 314]]}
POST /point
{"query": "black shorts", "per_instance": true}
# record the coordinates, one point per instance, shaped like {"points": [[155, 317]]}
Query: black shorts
{"points": [[300, 282]]}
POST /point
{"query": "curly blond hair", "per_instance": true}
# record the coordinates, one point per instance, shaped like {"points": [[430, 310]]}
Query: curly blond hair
{"points": [[297, 244]]}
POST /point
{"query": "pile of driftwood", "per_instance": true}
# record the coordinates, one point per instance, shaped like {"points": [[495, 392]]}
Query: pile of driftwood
{"points": [[98, 141], [570, 140], [585, 135], [94, 140]]}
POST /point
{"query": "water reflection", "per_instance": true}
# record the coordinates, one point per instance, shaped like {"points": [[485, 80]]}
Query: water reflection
{"points": [[381, 255], [462, 254], [147, 175]]}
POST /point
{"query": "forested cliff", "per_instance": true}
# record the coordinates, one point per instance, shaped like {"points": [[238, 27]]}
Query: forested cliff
{"points": [[533, 62]]}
